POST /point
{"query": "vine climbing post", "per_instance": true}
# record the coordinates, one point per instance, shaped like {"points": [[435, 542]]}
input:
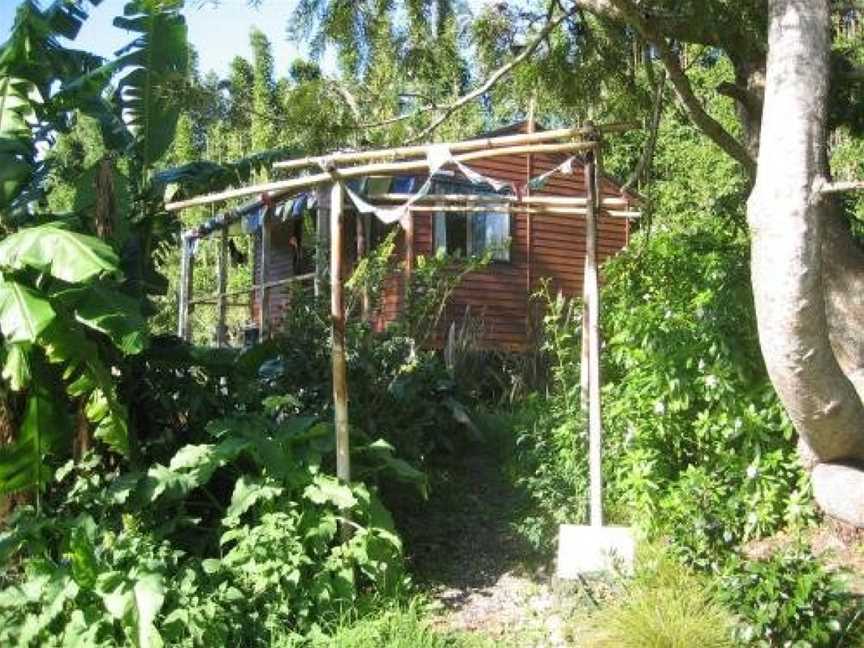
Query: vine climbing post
{"points": [[337, 313]]}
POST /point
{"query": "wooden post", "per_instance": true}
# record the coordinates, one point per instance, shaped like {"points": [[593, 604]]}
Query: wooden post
{"points": [[222, 287], [337, 313], [592, 290], [264, 289], [408, 226], [529, 221], [187, 267], [322, 237], [363, 223]]}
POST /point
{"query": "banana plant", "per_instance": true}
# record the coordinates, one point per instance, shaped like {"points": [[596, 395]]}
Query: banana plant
{"points": [[69, 314], [62, 316]]}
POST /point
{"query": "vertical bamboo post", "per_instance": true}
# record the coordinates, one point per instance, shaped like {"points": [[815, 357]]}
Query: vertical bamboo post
{"points": [[337, 313], [264, 289], [595, 424], [408, 226], [322, 238], [529, 171], [585, 356], [222, 286], [363, 223], [187, 267]]}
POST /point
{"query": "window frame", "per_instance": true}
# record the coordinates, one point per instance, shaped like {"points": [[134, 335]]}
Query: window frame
{"points": [[438, 233]]}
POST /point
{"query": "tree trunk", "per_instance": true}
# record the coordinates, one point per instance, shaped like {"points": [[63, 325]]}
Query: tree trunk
{"points": [[794, 283]]}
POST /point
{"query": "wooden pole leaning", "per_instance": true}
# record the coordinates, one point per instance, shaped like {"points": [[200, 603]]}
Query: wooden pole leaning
{"points": [[592, 294], [337, 314]]}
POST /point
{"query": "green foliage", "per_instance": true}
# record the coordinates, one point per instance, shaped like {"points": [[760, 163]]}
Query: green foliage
{"points": [[158, 58], [789, 598], [699, 445], [269, 560]]}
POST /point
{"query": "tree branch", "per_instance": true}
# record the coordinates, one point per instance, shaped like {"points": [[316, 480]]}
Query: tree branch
{"points": [[448, 110], [706, 123], [651, 143]]}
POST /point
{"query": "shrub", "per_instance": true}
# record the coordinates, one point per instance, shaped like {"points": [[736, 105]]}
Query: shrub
{"points": [[230, 542], [697, 444], [789, 598]]}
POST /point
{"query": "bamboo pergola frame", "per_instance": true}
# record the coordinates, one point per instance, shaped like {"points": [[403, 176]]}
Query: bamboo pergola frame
{"points": [[342, 166]]}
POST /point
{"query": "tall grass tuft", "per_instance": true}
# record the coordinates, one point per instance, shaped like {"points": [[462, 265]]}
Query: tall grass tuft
{"points": [[406, 626], [665, 606]]}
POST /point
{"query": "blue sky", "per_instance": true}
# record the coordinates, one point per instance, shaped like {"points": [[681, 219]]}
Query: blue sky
{"points": [[219, 34]]}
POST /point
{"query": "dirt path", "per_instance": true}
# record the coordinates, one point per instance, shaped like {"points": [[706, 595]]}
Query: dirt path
{"points": [[464, 552]]}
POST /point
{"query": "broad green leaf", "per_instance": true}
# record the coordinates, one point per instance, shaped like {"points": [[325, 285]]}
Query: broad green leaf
{"points": [[158, 56], [86, 375], [85, 565], [110, 417], [43, 429], [24, 313], [66, 255], [326, 490], [108, 311], [247, 492], [16, 369]]}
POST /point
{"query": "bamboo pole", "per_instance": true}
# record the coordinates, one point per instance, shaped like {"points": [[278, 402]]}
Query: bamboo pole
{"points": [[362, 223], [322, 239], [187, 267], [529, 221], [337, 313], [283, 188], [256, 288], [595, 424], [222, 286], [574, 201], [402, 152], [840, 187], [264, 323]]}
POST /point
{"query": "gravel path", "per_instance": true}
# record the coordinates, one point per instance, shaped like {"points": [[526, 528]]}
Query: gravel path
{"points": [[463, 551]]}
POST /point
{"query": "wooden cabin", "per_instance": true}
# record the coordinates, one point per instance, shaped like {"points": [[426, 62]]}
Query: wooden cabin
{"points": [[527, 246]]}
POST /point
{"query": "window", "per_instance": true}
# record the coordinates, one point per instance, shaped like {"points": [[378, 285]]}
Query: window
{"points": [[473, 234]]}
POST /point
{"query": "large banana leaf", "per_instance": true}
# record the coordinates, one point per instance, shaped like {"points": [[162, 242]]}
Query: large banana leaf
{"points": [[33, 51], [87, 377], [24, 313], [104, 309], [64, 254], [16, 141], [43, 429], [159, 58], [195, 178]]}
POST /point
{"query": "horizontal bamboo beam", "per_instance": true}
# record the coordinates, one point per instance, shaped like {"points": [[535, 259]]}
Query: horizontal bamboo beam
{"points": [[522, 209], [503, 209], [282, 188], [255, 287], [840, 187], [402, 152], [487, 198]]}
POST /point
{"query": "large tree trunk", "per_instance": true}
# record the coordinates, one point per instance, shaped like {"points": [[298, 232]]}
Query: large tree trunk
{"points": [[796, 286]]}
